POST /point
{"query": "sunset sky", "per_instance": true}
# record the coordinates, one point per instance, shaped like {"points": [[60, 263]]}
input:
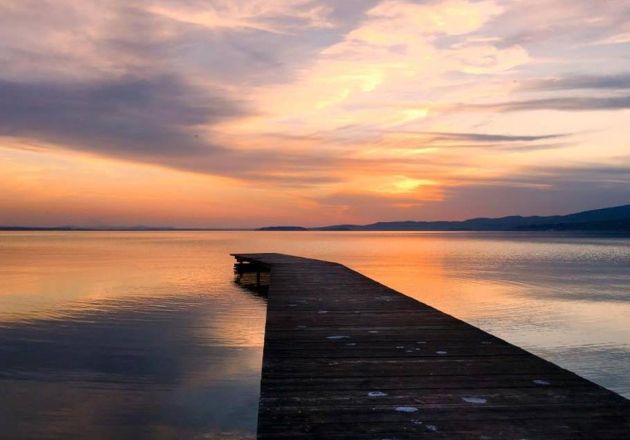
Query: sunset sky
{"points": [[228, 113]]}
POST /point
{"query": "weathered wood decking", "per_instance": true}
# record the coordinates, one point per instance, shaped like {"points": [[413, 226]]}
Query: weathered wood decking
{"points": [[348, 358]]}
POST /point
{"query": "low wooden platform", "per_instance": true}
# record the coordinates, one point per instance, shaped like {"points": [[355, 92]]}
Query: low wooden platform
{"points": [[348, 358]]}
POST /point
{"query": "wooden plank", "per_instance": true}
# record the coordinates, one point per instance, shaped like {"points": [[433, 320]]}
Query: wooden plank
{"points": [[346, 357]]}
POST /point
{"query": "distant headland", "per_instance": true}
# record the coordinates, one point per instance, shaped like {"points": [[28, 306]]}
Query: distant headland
{"points": [[615, 219], [608, 219]]}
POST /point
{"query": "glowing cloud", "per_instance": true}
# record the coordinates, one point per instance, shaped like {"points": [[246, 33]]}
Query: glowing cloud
{"points": [[321, 111]]}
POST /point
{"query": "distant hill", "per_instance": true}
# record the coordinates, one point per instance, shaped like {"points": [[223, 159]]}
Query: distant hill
{"points": [[607, 219], [283, 228], [616, 219]]}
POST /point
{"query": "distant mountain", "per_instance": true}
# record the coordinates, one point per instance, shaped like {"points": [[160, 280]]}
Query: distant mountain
{"points": [[607, 219], [283, 228]]}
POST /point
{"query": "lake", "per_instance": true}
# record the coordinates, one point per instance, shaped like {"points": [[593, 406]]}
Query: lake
{"points": [[138, 335]]}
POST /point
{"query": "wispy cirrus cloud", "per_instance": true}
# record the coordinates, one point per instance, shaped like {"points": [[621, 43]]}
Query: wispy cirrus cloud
{"points": [[481, 137], [581, 82], [563, 103], [276, 16]]}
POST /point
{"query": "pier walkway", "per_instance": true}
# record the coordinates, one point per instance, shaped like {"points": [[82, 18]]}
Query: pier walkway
{"points": [[348, 358]]}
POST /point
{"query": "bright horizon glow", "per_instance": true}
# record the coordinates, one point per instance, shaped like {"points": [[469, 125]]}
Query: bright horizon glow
{"points": [[228, 113]]}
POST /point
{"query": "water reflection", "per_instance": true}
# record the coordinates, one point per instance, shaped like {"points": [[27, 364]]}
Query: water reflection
{"points": [[145, 335], [170, 352], [254, 277], [566, 298], [129, 370]]}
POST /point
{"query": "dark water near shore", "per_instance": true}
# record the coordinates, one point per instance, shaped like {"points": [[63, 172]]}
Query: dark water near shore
{"points": [[117, 335]]}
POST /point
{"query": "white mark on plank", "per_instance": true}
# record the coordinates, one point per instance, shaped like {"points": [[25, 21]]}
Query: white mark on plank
{"points": [[432, 428], [475, 400], [322, 312], [442, 352], [406, 409], [337, 337], [377, 394], [541, 382]]}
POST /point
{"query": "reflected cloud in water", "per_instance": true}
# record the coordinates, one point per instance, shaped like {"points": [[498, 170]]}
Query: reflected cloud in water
{"points": [[155, 365], [146, 335], [130, 370], [563, 297]]}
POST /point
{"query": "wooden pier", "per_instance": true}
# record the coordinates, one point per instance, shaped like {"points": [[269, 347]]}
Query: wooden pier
{"points": [[348, 358]]}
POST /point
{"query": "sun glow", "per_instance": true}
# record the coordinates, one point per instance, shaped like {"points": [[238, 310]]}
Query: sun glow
{"points": [[185, 113]]}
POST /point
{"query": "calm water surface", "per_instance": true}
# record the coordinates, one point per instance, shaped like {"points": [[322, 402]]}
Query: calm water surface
{"points": [[144, 335]]}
